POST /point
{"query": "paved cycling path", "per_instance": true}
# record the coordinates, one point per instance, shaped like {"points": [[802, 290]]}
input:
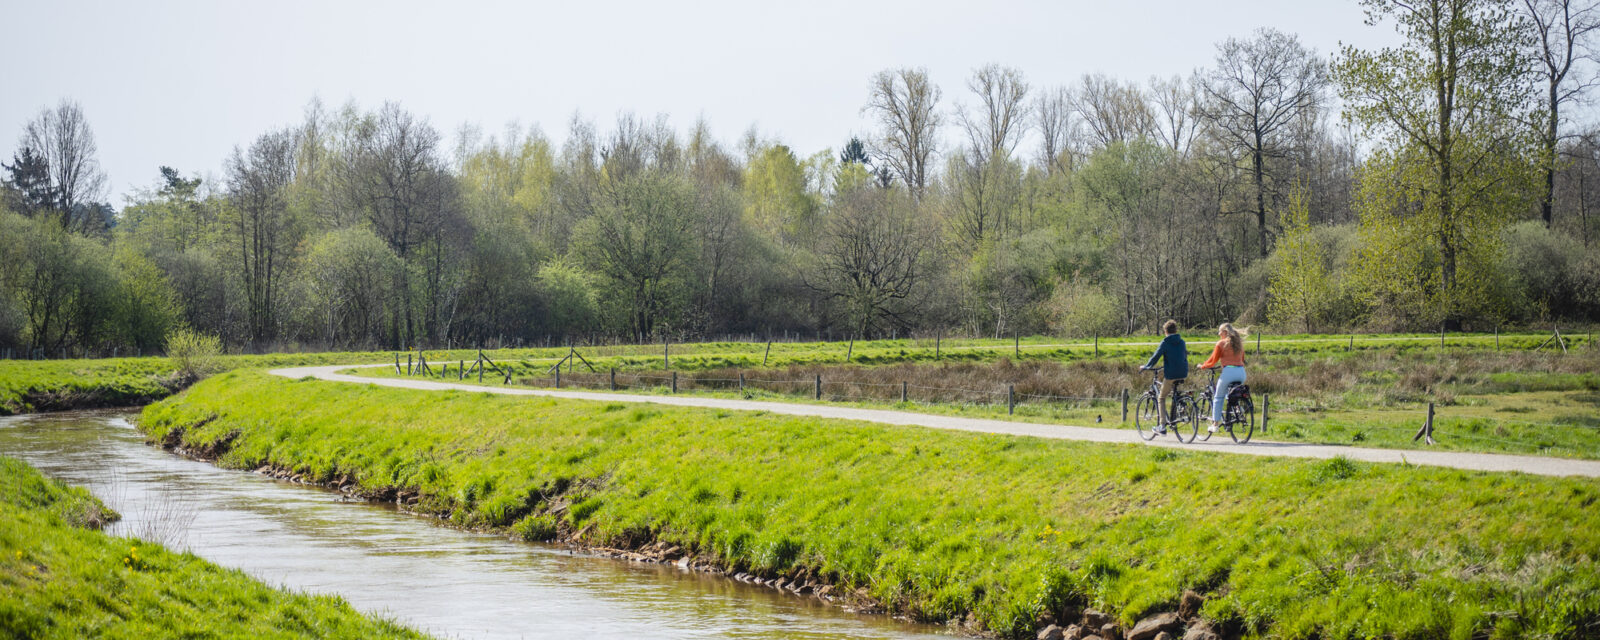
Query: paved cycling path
{"points": [[1457, 460]]}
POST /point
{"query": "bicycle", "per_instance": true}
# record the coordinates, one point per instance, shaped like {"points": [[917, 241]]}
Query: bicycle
{"points": [[1240, 410], [1147, 414]]}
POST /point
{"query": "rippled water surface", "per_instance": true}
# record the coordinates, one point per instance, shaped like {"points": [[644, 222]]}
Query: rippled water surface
{"points": [[450, 583]]}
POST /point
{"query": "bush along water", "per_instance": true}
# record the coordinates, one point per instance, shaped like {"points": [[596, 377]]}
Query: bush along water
{"points": [[1004, 535]]}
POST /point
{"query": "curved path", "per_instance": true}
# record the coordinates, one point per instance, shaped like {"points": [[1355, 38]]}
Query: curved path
{"points": [[1453, 459]]}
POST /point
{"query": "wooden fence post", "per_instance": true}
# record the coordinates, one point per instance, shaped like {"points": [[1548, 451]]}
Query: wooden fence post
{"points": [[741, 382], [674, 382], [851, 349], [1427, 427], [1352, 343], [397, 364], [408, 363], [1097, 345], [1497, 337], [1124, 405], [1016, 347], [903, 386], [1258, 344], [819, 386], [1266, 410], [558, 377], [768, 354], [1011, 399], [937, 339], [461, 369], [613, 378], [666, 353], [1441, 335]]}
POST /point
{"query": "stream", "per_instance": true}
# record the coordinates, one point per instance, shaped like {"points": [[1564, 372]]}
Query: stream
{"points": [[444, 581]]}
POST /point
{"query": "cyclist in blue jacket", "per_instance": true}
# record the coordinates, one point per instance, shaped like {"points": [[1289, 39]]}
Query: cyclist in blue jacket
{"points": [[1174, 355]]}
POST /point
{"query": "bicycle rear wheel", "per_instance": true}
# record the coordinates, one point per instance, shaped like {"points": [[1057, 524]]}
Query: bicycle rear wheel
{"points": [[1146, 417], [1243, 417], [1187, 419]]}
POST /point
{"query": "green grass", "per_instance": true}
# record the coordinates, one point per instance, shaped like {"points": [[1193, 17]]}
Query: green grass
{"points": [[59, 578], [937, 524]]}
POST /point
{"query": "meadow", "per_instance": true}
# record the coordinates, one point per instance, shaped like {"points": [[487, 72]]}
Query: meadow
{"points": [[1495, 395], [1007, 532], [62, 578]]}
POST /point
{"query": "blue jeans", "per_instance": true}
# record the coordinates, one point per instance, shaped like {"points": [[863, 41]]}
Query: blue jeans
{"points": [[1230, 374]]}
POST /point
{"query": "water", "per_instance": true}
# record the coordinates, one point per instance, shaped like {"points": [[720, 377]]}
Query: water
{"points": [[444, 581]]}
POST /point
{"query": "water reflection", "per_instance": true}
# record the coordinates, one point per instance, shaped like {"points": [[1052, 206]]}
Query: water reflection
{"points": [[448, 582]]}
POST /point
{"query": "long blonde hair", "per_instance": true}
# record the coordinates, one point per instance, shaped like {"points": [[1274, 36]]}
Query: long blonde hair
{"points": [[1235, 336]]}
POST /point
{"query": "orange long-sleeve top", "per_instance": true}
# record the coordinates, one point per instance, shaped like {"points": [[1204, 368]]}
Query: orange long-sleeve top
{"points": [[1223, 355]]}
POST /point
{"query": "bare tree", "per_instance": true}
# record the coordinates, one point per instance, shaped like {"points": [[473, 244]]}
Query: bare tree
{"points": [[905, 104], [1174, 101], [873, 260], [62, 137], [1114, 111], [1258, 90], [1000, 119], [1562, 33], [258, 185], [1053, 110]]}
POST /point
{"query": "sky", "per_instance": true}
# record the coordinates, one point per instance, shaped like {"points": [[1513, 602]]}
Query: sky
{"points": [[181, 83]]}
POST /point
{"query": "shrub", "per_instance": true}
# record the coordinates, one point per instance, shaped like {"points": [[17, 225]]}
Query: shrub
{"points": [[196, 355]]}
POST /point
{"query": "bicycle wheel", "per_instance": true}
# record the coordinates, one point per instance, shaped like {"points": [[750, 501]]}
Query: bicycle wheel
{"points": [[1146, 417], [1187, 419], [1243, 418], [1203, 405]]}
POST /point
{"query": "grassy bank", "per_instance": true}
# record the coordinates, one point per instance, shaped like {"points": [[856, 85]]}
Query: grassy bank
{"points": [[940, 524], [59, 578]]}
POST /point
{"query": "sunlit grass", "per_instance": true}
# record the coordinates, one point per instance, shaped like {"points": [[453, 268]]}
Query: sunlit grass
{"points": [[936, 524]]}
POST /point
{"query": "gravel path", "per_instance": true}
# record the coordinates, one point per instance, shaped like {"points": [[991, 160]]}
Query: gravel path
{"points": [[1453, 459]]}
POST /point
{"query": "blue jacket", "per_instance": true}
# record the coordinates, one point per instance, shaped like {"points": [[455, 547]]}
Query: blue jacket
{"points": [[1176, 354]]}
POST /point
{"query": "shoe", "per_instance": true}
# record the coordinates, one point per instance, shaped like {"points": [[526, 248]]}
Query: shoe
{"points": [[1212, 428]]}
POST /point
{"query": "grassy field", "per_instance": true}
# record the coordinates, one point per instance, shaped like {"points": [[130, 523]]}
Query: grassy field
{"points": [[59, 578], [1488, 400], [936, 524]]}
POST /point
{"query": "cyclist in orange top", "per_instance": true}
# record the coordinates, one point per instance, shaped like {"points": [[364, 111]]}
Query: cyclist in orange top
{"points": [[1228, 354]]}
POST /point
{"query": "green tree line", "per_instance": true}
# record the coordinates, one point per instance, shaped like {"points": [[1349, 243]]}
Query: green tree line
{"points": [[1440, 181]]}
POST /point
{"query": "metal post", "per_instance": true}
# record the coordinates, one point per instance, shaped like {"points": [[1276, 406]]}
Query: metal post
{"points": [[903, 386], [1011, 399], [613, 378], [674, 382], [819, 386]]}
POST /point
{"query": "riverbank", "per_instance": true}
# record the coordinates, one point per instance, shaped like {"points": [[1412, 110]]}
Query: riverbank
{"points": [[1006, 534], [62, 578]]}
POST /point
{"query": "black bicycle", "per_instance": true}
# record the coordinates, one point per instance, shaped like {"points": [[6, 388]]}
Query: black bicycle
{"points": [[1185, 413], [1238, 415]]}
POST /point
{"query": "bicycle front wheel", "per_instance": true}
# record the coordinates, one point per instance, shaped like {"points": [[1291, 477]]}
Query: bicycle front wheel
{"points": [[1146, 417], [1243, 419], [1203, 407], [1187, 420]]}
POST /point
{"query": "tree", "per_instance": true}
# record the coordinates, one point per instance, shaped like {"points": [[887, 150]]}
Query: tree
{"points": [[905, 104], [1450, 106], [1053, 110], [1254, 95], [1301, 284], [872, 261], [261, 228], [995, 127], [1114, 111], [29, 189], [62, 137], [638, 241], [1562, 31]]}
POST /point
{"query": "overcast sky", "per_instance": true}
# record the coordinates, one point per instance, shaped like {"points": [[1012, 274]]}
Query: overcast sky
{"points": [[181, 83]]}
